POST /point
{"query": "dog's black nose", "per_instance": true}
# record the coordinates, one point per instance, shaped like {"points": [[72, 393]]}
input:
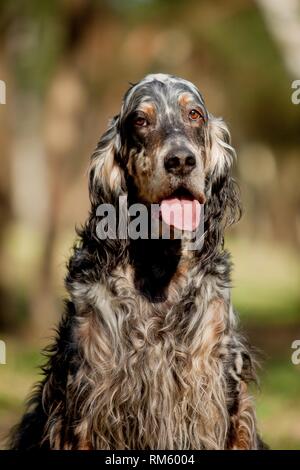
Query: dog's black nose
{"points": [[180, 163]]}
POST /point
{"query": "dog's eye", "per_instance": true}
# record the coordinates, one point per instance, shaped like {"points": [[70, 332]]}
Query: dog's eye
{"points": [[194, 115], [140, 122]]}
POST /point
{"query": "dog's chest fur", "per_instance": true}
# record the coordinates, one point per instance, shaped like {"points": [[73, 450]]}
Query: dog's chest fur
{"points": [[154, 374]]}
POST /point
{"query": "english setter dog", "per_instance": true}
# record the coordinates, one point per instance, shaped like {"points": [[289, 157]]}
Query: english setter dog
{"points": [[148, 354]]}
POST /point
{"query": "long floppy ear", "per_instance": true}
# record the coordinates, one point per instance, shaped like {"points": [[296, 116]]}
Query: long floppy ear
{"points": [[223, 207], [106, 177], [220, 153]]}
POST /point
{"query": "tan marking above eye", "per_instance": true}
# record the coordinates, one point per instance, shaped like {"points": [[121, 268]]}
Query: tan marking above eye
{"points": [[148, 109], [185, 99]]}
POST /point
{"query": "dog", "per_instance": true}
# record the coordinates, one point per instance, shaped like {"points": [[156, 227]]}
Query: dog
{"points": [[148, 354]]}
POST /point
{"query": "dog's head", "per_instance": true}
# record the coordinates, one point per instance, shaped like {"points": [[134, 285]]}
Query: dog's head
{"points": [[165, 146]]}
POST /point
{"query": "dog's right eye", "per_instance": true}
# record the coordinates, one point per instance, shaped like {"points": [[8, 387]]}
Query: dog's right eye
{"points": [[140, 122]]}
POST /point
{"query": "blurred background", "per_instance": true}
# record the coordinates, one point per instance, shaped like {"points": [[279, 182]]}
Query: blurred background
{"points": [[66, 65]]}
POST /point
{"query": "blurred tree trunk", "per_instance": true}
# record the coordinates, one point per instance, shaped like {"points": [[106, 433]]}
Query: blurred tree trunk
{"points": [[61, 133], [283, 21]]}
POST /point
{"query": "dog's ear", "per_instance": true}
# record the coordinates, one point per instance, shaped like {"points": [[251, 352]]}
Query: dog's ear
{"points": [[223, 206], [220, 153], [106, 178]]}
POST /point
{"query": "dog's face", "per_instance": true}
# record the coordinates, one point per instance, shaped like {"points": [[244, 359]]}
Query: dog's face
{"points": [[163, 129], [167, 147]]}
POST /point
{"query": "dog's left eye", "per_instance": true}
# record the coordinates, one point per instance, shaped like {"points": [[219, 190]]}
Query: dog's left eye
{"points": [[140, 122], [194, 115]]}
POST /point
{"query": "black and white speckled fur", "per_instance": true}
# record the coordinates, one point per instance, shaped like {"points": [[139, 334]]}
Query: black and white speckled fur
{"points": [[147, 355]]}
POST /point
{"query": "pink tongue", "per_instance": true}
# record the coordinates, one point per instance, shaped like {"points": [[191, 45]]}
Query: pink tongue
{"points": [[183, 214]]}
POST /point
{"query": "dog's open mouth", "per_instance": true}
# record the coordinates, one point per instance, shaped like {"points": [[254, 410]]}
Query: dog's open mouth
{"points": [[181, 210]]}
